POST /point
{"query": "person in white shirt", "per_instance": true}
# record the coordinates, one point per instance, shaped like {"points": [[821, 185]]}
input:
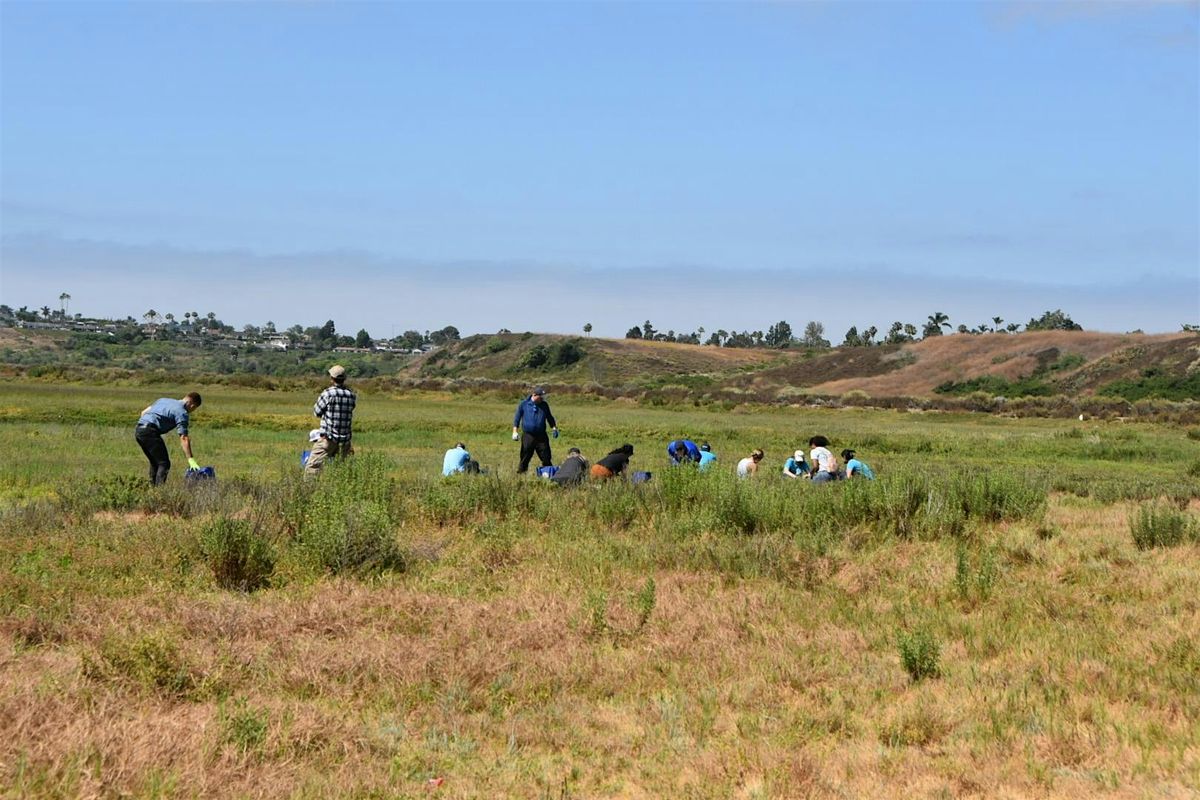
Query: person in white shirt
{"points": [[824, 463], [748, 466]]}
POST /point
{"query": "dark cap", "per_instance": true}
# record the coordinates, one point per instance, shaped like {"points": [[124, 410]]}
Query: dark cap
{"points": [[574, 451], [539, 390]]}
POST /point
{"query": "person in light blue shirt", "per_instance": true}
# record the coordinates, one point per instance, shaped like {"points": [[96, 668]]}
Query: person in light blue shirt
{"points": [[856, 468], [707, 456], [163, 416], [458, 460]]}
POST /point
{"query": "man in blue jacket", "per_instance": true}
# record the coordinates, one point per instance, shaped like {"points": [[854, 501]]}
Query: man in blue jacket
{"points": [[683, 451], [529, 426]]}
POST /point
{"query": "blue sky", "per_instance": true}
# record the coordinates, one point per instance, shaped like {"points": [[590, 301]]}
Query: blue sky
{"points": [[537, 166]]}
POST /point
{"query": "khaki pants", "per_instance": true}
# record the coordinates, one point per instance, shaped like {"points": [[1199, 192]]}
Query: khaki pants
{"points": [[325, 448]]}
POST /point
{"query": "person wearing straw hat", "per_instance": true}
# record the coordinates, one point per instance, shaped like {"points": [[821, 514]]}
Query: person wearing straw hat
{"points": [[335, 409]]}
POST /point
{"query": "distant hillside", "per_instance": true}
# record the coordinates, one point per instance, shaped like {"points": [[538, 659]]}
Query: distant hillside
{"points": [[970, 370], [1039, 363]]}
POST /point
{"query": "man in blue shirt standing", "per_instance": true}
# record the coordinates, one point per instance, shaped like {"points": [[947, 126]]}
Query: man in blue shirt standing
{"points": [[163, 416], [529, 427]]}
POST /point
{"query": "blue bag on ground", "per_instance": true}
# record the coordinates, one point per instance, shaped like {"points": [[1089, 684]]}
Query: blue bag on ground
{"points": [[547, 472], [197, 475]]}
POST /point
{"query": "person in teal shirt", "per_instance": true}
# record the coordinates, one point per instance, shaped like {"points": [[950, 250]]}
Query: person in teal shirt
{"points": [[856, 468], [707, 456], [796, 466]]}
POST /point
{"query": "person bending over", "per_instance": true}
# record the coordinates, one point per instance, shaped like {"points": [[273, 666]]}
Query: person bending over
{"points": [[163, 416]]}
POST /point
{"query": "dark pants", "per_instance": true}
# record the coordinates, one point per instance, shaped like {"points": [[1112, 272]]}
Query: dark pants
{"points": [[534, 443], [155, 448]]}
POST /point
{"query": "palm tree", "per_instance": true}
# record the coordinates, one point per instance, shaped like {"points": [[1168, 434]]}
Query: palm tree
{"points": [[996, 323], [937, 321], [587, 328], [169, 317], [46, 312], [64, 300], [150, 316]]}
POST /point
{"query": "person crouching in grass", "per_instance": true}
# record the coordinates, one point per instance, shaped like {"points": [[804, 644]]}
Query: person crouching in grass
{"points": [[613, 464]]}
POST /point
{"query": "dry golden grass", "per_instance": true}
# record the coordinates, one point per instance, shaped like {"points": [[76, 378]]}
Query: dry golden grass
{"points": [[1071, 679], [955, 358]]}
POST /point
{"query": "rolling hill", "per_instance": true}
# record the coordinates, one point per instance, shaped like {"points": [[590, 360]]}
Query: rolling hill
{"points": [[1033, 363]]}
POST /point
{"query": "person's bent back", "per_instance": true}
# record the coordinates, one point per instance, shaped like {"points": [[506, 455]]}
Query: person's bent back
{"points": [[613, 464], [458, 460], [683, 451], [573, 470]]}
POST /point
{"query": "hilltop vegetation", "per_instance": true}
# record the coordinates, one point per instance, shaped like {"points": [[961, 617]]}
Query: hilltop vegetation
{"points": [[1039, 371], [1032, 364]]}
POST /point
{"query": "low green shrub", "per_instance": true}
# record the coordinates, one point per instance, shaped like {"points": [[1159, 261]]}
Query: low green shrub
{"points": [[349, 518], [107, 493], [242, 726], [975, 574], [998, 496], [1159, 525], [920, 653], [238, 554], [152, 660], [645, 600]]}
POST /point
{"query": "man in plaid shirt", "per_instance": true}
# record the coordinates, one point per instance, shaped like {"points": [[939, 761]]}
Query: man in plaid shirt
{"points": [[335, 408]]}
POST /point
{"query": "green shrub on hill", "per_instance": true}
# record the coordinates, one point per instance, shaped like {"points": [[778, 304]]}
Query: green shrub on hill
{"points": [[1154, 383]]}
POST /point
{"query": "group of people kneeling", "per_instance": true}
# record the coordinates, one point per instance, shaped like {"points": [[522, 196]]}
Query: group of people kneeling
{"points": [[572, 471], [820, 467]]}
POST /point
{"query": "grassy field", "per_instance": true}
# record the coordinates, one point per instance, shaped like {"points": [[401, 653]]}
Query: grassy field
{"points": [[1010, 610]]}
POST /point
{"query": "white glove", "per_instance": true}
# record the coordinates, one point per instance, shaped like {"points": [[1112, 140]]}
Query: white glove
{"points": [[516, 436]]}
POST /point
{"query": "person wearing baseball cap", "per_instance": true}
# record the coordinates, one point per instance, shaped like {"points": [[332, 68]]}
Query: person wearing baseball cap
{"points": [[529, 427], [796, 466], [335, 409]]}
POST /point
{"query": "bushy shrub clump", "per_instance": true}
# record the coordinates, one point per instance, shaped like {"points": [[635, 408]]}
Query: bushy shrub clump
{"points": [[152, 660], [348, 521], [238, 554], [1159, 525], [920, 653]]}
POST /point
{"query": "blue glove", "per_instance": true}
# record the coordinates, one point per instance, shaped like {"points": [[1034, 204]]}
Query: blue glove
{"points": [[554, 433]]}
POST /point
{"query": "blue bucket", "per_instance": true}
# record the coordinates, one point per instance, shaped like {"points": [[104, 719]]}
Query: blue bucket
{"points": [[202, 474]]}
